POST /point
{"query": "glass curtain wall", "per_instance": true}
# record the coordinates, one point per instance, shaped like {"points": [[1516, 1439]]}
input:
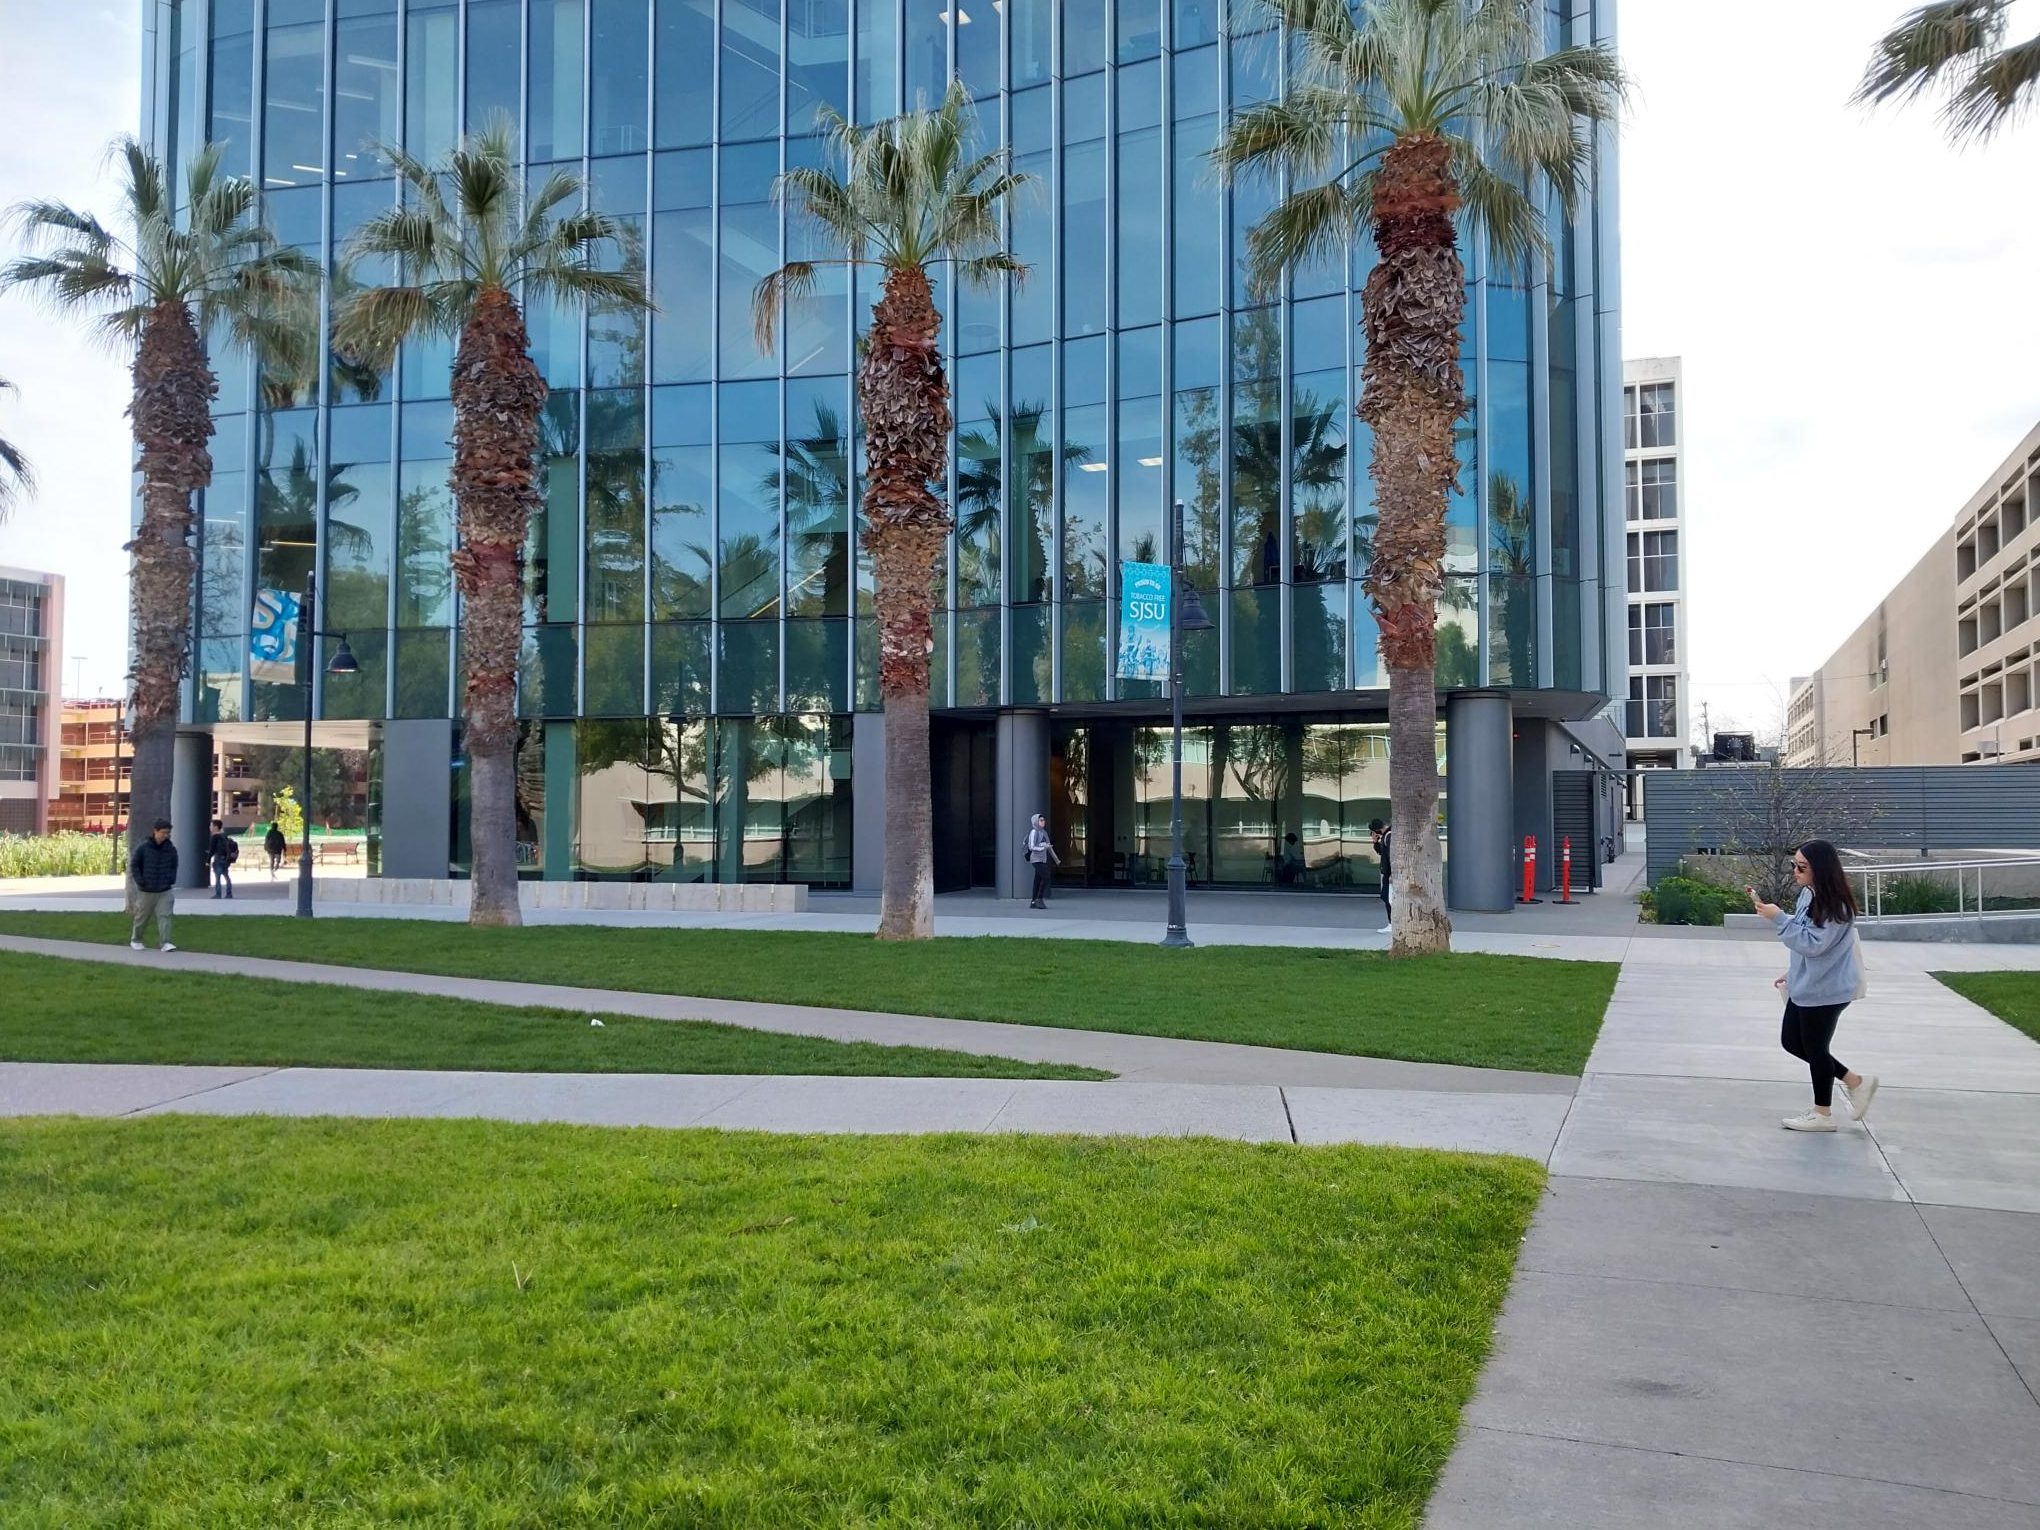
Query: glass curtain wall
{"points": [[696, 553]]}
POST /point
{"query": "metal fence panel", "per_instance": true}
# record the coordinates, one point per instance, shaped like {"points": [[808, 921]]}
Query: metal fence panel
{"points": [[1908, 807]]}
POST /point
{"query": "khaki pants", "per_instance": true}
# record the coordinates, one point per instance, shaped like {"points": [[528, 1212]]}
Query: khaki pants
{"points": [[160, 906]]}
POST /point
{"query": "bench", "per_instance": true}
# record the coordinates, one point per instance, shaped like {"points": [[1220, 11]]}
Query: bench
{"points": [[350, 852]]}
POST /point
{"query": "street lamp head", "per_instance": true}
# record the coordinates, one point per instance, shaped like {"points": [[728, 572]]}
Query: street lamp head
{"points": [[343, 661], [1193, 618]]}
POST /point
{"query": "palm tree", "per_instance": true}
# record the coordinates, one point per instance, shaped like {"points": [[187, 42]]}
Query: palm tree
{"points": [[1958, 47], [166, 287], [1403, 114], [463, 269], [17, 478], [903, 195]]}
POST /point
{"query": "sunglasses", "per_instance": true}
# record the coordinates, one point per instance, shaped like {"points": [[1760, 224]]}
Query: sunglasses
{"points": [[1801, 866]]}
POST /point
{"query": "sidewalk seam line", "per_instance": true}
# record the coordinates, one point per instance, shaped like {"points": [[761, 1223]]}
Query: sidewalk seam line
{"points": [[179, 1099], [1982, 1317], [1762, 1466], [1283, 1094]]}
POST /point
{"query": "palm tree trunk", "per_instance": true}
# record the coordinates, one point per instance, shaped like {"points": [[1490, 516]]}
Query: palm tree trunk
{"points": [[171, 413], [1413, 394], [497, 397], [904, 398]]}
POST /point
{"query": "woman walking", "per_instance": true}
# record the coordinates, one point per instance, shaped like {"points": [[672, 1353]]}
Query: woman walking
{"points": [[1825, 974]]}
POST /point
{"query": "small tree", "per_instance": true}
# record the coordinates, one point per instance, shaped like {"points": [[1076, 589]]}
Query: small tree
{"points": [[1765, 812], [288, 815]]}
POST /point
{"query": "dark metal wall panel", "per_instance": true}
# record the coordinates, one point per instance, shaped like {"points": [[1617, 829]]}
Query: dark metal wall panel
{"points": [[1929, 807]]}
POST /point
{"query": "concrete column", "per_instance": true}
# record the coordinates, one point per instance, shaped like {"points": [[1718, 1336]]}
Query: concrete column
{"points": [[417, 798], [562, 789], [867, 802], [1479, 780], [191, 789], [1021, 791]]}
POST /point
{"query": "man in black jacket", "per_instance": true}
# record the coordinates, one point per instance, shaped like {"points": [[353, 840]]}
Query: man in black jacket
{"points": [[154, 869]]}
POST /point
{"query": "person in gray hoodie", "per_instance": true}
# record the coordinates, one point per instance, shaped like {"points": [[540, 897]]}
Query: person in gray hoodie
{"points": [[1823, 976]]}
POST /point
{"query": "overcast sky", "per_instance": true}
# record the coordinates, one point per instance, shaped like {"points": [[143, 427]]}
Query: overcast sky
{"points": [[1858, 306]]}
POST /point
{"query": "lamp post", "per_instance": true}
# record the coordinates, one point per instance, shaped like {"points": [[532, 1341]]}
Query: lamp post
{"points": [[1186, 614], [113, 810], [343, 664]]}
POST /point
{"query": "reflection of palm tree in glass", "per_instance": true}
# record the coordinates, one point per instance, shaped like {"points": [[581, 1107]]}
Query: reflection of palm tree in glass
{"points": [[1026, 496], [424, 543], [289, 508], [750, 574], [810, 486], [1512, 553]]}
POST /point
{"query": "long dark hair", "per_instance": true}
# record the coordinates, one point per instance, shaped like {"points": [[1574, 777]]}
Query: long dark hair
{"points": [[1834, 901]]}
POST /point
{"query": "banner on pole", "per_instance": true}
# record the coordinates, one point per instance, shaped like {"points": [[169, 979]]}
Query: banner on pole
{"points": [[272, 638], [1144, 593]]}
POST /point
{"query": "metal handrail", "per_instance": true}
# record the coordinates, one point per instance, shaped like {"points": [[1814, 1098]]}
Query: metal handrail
{"points": [[1875, 876]]}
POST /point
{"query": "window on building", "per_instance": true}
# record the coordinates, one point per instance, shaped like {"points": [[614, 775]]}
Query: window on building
{"points": [[1653, 634], [1656, 419], [1653, 561], [1653, 489], [1653, 710]]}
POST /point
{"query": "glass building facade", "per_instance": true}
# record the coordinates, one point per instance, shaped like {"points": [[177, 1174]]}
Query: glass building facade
{"points": [[699, 674]]}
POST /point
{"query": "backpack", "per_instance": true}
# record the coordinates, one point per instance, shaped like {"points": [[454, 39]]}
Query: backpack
{"points": [[233, 850]]}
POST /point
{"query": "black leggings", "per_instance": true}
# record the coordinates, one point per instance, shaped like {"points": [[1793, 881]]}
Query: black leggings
{"points": [[1807, 1031]]}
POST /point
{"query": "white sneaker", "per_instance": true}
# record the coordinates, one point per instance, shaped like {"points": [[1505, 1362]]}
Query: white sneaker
{"points": [[1860, 1097], [134, 945], [168, 947], [1812, 1121], [1386, 929]]}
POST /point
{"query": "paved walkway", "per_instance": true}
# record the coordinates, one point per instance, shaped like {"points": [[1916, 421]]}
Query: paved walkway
{"points": [[1719, 1323]]}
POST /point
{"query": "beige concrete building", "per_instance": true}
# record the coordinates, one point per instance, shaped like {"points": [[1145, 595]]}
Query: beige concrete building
{"points": [[1943, 671]]}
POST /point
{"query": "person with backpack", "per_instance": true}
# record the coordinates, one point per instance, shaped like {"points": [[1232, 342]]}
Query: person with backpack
{"points": [[222, 851], [1040, 855], [275, 844], [1824, 976]]}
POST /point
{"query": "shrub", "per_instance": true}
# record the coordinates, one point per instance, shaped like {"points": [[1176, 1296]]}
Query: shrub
{"points": [[1688, 900], [70, 854], [1917, 895]]}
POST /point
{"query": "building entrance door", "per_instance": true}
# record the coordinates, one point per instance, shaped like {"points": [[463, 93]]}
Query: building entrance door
{"points": [[962, 757]]}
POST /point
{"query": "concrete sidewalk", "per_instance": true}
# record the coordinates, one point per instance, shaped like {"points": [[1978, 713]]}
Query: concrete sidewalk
{"points": [[1716, 1322], [1523, 1124]]}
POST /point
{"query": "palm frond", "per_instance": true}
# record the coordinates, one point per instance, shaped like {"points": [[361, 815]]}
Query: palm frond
{"points": [[1928, 42], [601, 291], [1997, 94], [791, 283], [1505, 213], [1302, 228], [374, 321], [988, 270]]}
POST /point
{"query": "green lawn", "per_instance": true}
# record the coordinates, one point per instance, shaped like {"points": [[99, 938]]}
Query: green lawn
{"points": [[68, 1011], [264, 1322], [2014, 997], [1482, 1011]]}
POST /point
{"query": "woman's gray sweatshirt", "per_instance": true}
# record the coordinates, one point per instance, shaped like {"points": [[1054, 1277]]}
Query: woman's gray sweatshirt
{"points": [[1823, 969]]}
